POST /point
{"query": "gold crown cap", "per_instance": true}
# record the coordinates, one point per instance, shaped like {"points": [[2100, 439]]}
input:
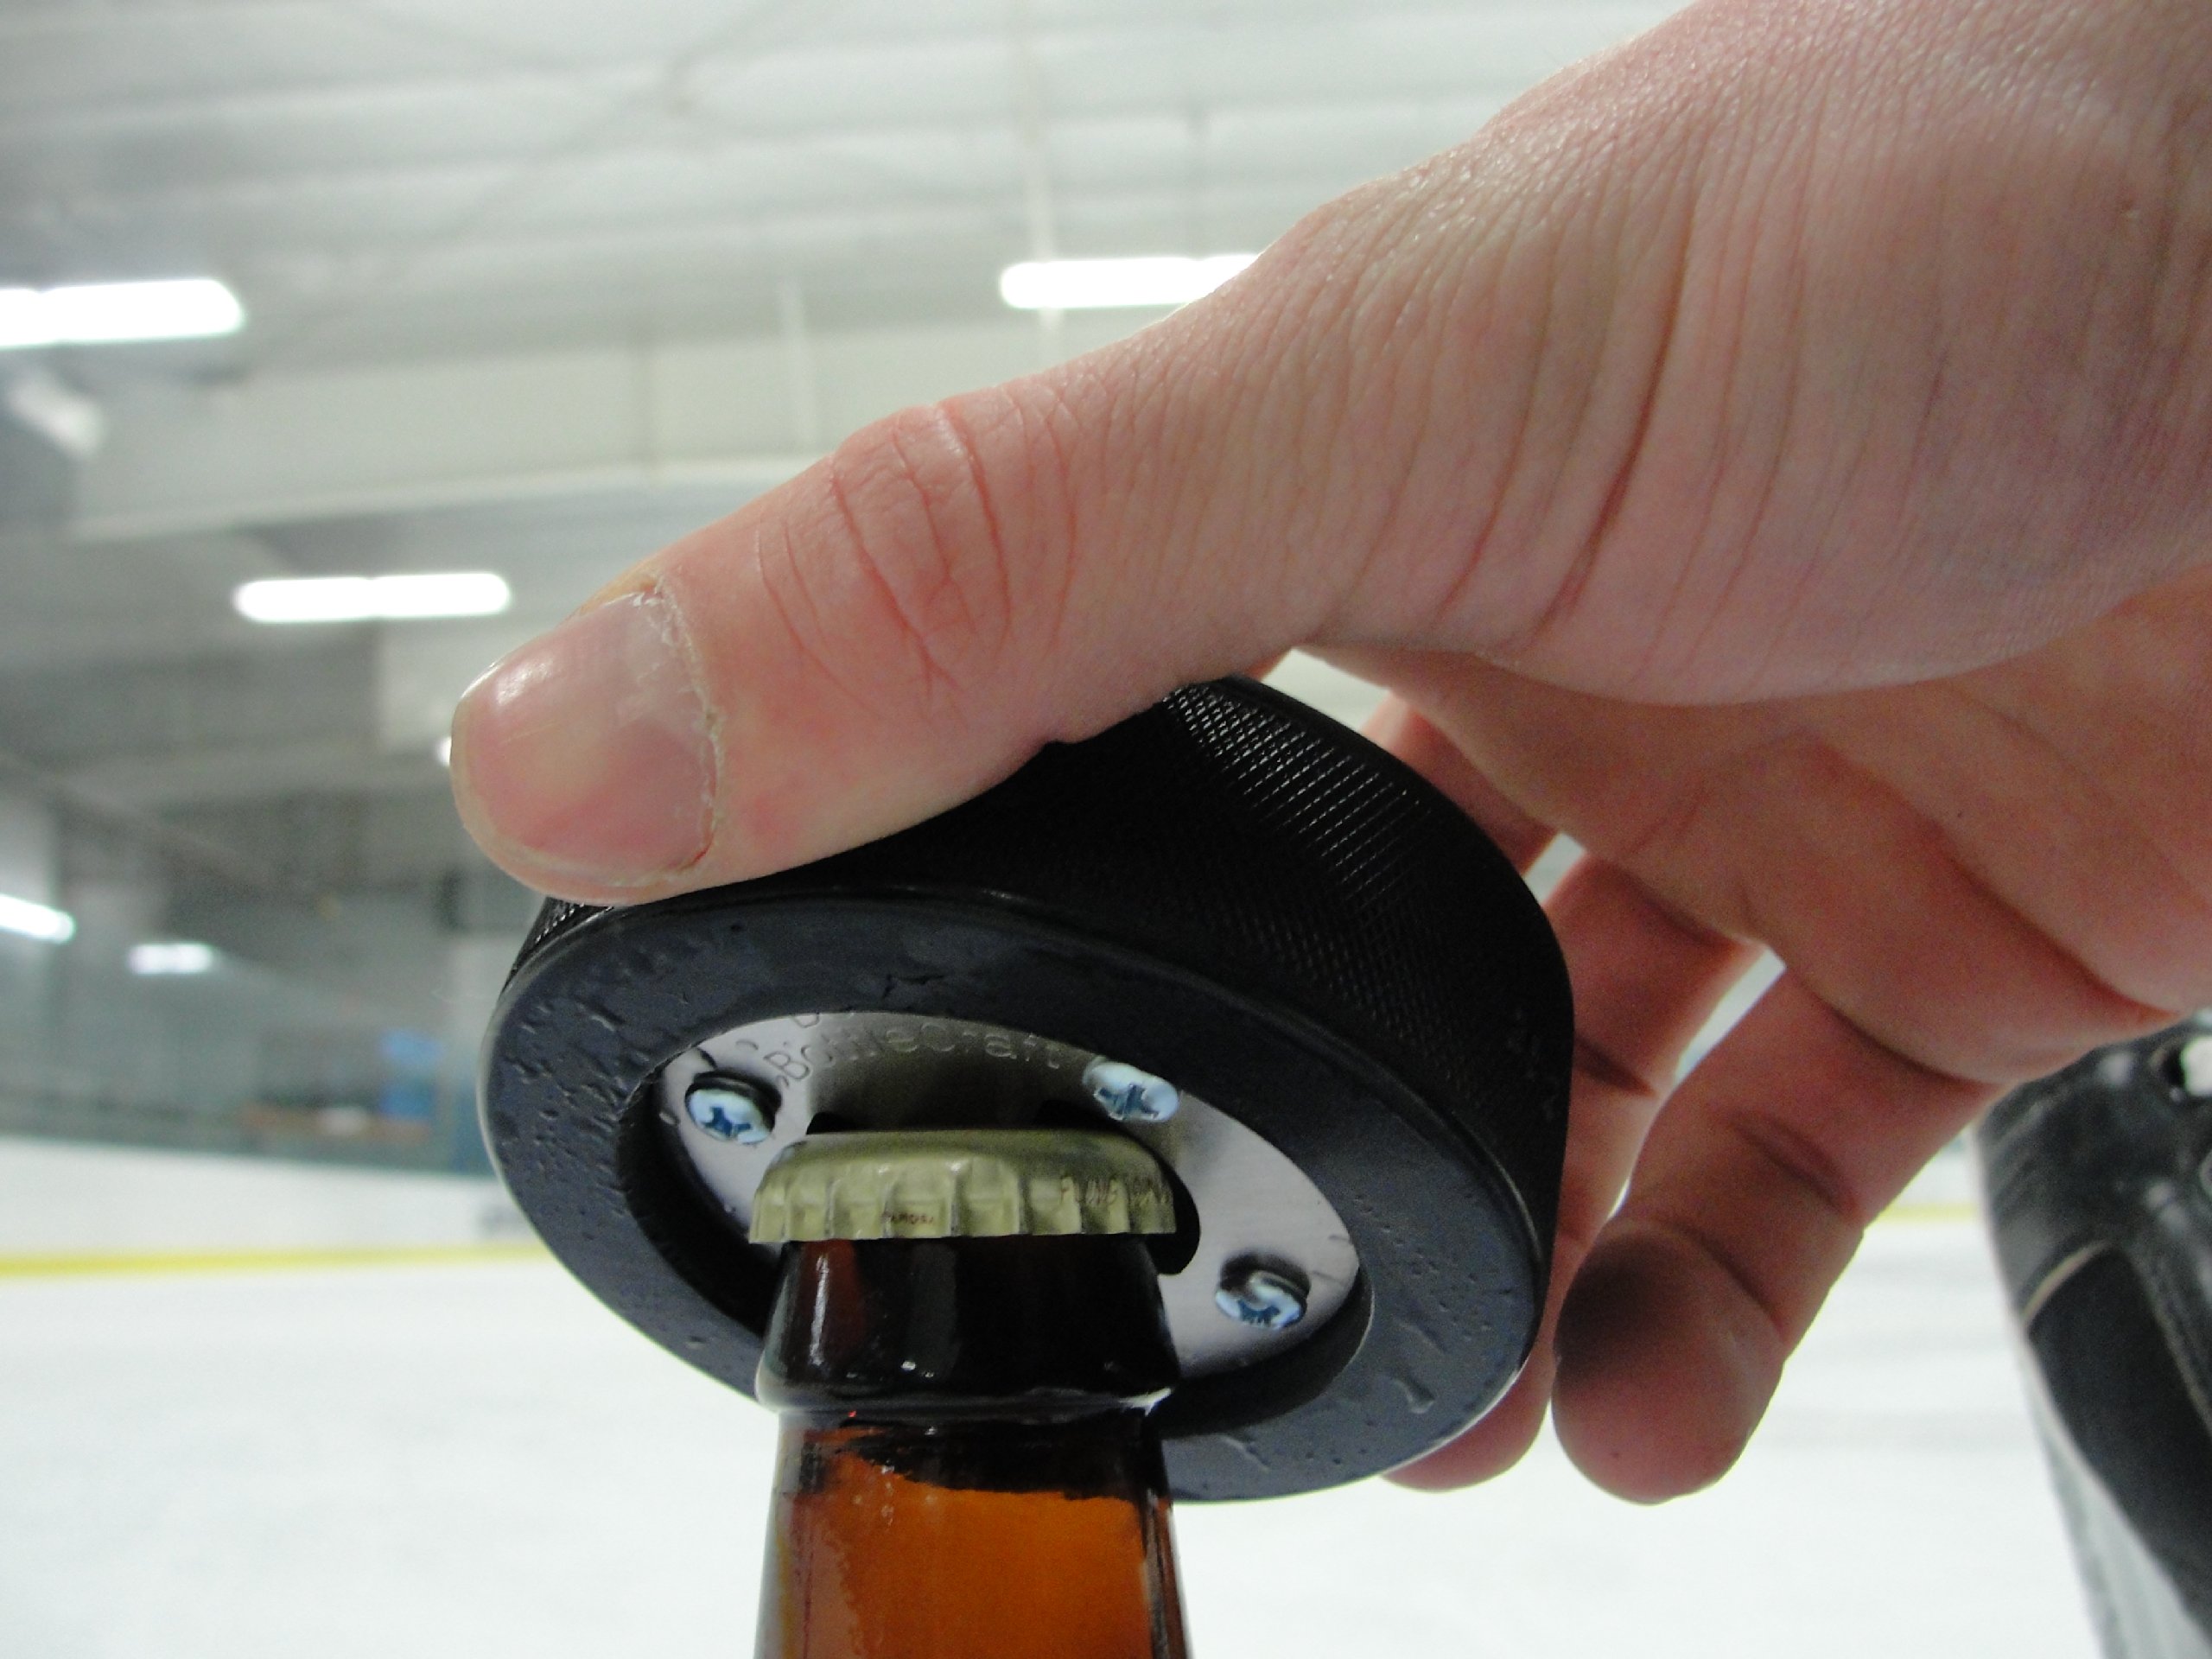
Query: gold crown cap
{"points": [[960, 1183]]}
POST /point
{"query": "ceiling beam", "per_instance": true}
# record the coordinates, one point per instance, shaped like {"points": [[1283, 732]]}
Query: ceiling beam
{"points": [[283, 447]]}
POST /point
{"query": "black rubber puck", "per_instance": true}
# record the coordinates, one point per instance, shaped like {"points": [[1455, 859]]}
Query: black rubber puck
{"points": [[1230, 891]]}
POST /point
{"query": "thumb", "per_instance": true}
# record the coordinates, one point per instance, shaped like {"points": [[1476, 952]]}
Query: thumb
{"points": [[1316, 453], [906, 621], [885, 635]]}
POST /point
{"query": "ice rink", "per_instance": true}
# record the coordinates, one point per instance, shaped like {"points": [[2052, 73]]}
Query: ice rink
{"points": [[459, 1453]]}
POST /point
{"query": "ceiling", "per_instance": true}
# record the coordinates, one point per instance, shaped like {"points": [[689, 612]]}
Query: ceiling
{"points": [[535, 286], [437, 176]]}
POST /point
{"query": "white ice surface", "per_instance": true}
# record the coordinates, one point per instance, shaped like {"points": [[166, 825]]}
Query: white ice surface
{"points": [[479, 1461], [57, 1199]]}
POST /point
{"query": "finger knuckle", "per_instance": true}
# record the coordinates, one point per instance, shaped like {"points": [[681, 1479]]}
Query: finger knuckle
{"points": [[913, 551]]}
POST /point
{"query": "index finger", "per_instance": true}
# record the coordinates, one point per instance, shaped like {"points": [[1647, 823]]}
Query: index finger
{"points": [[1750, 1198]]}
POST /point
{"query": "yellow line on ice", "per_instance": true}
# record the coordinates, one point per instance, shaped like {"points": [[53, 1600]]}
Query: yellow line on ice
{"points": [[91, 1264], [1957, 1210], [95, 1264]]}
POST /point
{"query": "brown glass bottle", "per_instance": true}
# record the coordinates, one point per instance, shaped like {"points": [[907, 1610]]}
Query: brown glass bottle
{"points": [[967, 1469]]}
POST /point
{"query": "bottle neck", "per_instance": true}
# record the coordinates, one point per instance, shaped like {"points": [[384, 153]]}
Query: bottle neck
{"points": [[1008, 1327], [967, 1465]]}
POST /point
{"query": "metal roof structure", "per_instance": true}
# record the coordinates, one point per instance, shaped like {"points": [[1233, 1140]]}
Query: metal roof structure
{"points": [[534, 288]]}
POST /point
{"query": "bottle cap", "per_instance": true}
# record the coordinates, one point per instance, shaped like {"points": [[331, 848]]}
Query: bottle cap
{"points": [[960, 1183]]}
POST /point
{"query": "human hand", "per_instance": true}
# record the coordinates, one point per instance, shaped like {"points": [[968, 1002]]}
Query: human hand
{"points": [[1972, 879], [1714, 451]]}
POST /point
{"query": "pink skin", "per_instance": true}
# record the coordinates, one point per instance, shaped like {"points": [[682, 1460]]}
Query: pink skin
{"points": [[1778, 453], [603, 743]]}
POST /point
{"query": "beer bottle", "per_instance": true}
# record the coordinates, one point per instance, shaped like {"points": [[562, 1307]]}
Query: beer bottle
{"points": [[966, 1341]]}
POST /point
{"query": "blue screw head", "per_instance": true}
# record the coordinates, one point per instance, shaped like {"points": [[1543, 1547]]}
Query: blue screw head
{"points": [[731, 1109], [1261, 1296], [1130, 1095]]}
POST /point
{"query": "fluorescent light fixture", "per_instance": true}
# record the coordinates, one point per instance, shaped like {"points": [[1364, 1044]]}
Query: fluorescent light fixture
{"points": [[368, 599], [1095, 284], [99, 314], [41, 922], [171, 957]]}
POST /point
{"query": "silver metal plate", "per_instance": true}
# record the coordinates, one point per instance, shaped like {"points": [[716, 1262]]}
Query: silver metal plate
{"points": [[890, 1071]]}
